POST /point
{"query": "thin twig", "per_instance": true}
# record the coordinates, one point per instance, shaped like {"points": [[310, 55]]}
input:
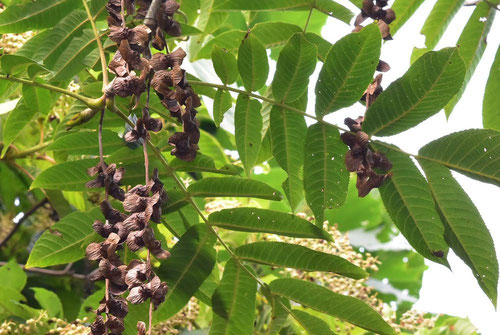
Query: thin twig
{"points": [[309, 16], [21, 220], [58, 273], [99, 139], [30, 151]]}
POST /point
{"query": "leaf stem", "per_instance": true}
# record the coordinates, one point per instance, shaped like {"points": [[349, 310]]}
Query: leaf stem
{"points": [[27, 152], [309, 16], [104, 64]]}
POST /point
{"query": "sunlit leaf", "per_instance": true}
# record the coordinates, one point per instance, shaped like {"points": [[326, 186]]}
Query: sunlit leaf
{"points": [[252, 63]]}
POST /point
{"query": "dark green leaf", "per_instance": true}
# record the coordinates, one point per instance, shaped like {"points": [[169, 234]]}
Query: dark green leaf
{"points": [[225, 65], [37, 99], [491, 103], [323, 45], [311, 324], [67, 176], [340, 306], [348, 70], [203, 163], [404, 9], [266, 221], [85, 143], [16, 121], [233, 187], [420, 93], [281, 254], [279, 313], [252, 63], [222, 102]]}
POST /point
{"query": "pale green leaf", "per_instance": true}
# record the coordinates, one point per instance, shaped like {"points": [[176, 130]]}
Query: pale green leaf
{"points": [[222, 102], [409, 202], [347, 70], [86, 143], [67, 176], [252, 63], [225, 65], [280, 254], [17, 120], [420, 93], [233, 301], [491, 103], [325, 177], [323, 300], [296, 63], [474, 153], [404, 9], [465, 230], [293, 187], [257, 220], [233, 187], [49, 301], [248, 125], [30, 15], [66, 241], [472, 43], [13, 276], [90, 304], [311, 324], [37, 99], [191, 262]]}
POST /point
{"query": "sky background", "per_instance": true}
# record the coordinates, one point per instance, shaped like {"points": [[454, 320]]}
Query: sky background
{"points": [[453, 292]]}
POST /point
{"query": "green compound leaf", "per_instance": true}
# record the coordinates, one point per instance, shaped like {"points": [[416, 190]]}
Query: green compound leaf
{"points": [[222, 102], [66, 241], [420, 93], [233, 187], [86, 143], [257, 220], [347, 71], [233, 301], [311, 324], [326, 179], [297, 257], [191, 262], [225, 65], [31, 15], [491, 103], [323, 300], [465, 230], [472, 43], [252, 63], [409, 202], [474, 153], [248, 126], [296, 62]]}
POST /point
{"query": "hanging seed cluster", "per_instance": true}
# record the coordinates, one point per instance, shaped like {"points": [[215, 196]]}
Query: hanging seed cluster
{"points": [[163, 71], [375, 10]]}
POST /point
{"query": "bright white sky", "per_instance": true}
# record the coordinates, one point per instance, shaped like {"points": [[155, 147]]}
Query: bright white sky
{"points": [[457, 292]]}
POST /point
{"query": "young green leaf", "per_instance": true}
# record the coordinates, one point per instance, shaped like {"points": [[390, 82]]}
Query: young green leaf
{"points": [[474, 153], [248, 125], [49, 301], [222, 102], [191, 262], [347, 70], [85, 143], [296, 62], [233, 187], [465, 231], [409, 202], [472, 44], [281, 254], [37, 99], [16, 121], [252, 63], [491, 103], [225, 65], [325, 177], [233, 301], [311, 324], [66, 240], [323, 300], [30, 15], [257, 220], [420, 93]]}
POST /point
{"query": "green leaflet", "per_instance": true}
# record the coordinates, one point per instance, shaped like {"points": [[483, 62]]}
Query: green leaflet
{"points": [[281, 254], [233, 301], [420, 93], [225, 65], [248, 125], [66, 241], [465, 231], [279, 313], [474, 153], [491, 103], [49, 301], [409, 202], [435, 25], [323, 45], [67, 176], [86, 143], [222, 102], [30, 15], [404, 9], [259, 220], [472, 44], [190, 263], [311, 324], [347, 70], [252, 63], [233, 187], [325, 177], [340, 306], [296, 63], [203, 163], [17, 120], [37, 99], [13, 276]]}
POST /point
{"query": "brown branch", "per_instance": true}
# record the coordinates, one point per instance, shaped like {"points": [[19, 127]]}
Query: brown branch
{"points": [[58, 273], [150, 19]]}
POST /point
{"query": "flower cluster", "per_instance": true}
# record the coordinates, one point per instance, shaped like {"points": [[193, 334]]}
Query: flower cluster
{"points": [[377, 12], [163, 70], [362, 160]]}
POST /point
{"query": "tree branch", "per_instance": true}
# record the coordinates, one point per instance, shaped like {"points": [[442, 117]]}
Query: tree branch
{"points": [[58, 273]]}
